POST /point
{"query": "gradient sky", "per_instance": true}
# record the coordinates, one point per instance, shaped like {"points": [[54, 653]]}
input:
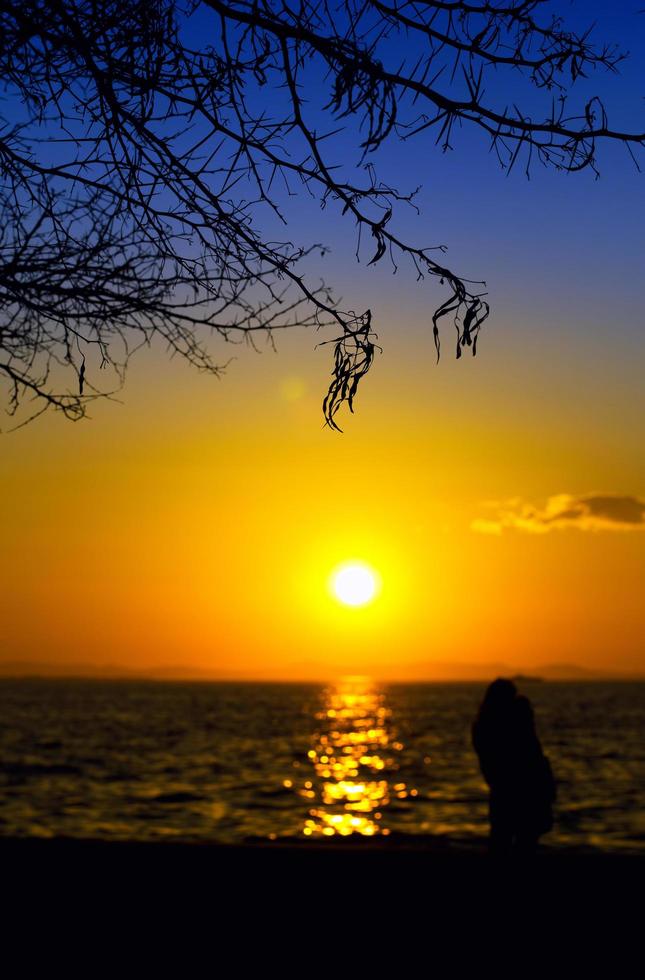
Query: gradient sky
{"points": [[195, 523]]}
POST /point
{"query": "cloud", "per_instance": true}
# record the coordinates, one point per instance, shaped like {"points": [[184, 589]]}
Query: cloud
{"points": [[591, 512]]}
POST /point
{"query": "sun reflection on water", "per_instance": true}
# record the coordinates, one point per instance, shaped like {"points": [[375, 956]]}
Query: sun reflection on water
{"points": [[354, 757]]}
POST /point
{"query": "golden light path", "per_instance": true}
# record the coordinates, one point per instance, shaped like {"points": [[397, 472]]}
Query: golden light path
{"points": [[355, 759], [354, 583]]}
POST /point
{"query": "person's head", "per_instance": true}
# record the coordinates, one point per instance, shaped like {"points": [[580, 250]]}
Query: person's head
{"points": [[498, 701], [500, 694]]}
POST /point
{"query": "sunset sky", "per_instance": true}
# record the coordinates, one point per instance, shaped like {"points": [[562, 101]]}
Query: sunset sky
{"points": [[194, 523]]}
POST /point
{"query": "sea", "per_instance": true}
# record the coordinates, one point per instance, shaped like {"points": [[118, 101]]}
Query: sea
{"points": [[230, 762]]}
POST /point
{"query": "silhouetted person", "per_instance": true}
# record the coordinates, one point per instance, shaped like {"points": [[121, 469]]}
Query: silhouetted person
{"points": [[536, 786], [513, 764]]}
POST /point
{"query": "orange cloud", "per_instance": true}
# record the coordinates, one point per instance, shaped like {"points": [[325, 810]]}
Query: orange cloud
{"points": [[591, 512]]}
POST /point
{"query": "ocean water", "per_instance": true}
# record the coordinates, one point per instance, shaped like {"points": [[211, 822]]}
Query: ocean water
{"points": [[226, 762]]}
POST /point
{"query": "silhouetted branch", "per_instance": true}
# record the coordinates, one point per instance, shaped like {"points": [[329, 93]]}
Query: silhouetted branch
{"points": [[151, 144]]}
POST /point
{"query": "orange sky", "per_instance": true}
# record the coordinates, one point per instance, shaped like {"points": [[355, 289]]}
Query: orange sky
{"points": [[195, 525]]}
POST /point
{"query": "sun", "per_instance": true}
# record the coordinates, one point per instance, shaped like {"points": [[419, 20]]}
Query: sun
{"points": [[354, 583]]}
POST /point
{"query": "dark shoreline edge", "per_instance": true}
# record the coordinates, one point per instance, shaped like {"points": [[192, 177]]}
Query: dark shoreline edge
{"points": [[401, 849]]}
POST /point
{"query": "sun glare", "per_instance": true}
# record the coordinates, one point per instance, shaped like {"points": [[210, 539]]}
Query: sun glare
{"points": [[354, 583]]}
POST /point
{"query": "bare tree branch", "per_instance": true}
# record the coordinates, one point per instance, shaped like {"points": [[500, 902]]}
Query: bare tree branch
{"points": [[148, 146]]}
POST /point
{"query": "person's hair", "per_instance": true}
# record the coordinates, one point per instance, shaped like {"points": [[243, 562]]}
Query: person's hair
{"points": [[499, 697], [500, 693]]}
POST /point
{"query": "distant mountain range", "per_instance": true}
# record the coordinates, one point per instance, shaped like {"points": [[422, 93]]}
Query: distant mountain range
{"points": [[425, 671], [549, 671]]}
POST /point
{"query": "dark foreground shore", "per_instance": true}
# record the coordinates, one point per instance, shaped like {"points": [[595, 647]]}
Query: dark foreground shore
{"points": [[304, 909], [375, 875]]}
